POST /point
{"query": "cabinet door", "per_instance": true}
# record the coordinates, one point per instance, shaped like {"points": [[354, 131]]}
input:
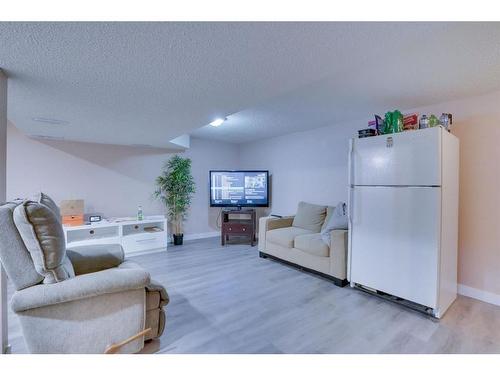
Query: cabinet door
{"points": [[408, 158], [395, 241]]}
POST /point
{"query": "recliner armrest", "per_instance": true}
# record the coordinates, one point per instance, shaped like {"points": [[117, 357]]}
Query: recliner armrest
{"points": [[94, 258], [112, 280]]}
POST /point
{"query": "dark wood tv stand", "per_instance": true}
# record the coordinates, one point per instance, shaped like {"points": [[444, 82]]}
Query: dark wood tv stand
{"points": [[238, 222]]}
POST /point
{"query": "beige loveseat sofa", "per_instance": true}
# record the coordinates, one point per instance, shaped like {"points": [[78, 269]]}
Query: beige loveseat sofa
{"points": [[297, 240]]}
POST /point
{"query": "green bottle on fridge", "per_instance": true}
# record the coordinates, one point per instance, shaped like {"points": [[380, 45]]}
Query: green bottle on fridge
{"points": [[433, 121]]}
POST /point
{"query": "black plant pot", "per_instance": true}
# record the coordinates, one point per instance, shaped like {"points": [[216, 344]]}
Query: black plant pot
{"points": [[178, 239]]}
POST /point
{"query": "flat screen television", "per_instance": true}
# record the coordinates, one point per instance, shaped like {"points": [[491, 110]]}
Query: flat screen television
{"points": [[239, 188]]}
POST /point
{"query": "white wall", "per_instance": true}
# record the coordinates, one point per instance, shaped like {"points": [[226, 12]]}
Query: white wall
{"points": [[113, 180], [309, 166]]}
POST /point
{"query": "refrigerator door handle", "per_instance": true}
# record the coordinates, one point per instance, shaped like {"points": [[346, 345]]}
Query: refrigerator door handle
{"points": [[349, 231], [349, 206], [351, 162], [351, 181]]}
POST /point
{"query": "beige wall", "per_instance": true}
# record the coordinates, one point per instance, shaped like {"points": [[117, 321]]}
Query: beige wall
{"points": [[477, 125], [113, 180], [312, 166]]}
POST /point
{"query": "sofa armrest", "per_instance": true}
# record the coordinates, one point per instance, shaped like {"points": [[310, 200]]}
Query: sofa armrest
{"points": [[268, 223], [94, 258], [272, 222], [112, 280], [338, 253]]}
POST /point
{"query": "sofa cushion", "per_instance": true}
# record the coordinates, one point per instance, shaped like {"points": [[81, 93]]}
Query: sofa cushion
{"points": [[336, 220], [329, 211], [285, 236], [309, 216], [49, 202], [94, 258], [43, 236], [312, 244]]}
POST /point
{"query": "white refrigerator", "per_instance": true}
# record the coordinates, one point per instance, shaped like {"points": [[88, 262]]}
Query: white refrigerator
{"points": [[403, 217]]}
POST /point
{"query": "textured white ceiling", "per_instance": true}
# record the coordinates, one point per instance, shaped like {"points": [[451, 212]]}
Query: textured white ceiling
{"points": [[410, 68], [147, 83]]}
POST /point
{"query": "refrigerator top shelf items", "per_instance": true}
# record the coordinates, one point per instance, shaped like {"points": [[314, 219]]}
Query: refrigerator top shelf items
{"points": [[395, 122]]}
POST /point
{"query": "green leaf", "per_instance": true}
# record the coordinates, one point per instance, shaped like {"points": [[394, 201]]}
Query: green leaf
{"points": [[175, 188]]}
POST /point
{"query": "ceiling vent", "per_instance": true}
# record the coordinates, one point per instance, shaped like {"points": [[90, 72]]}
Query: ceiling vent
{"points": [[48, 137], [50, 121]]}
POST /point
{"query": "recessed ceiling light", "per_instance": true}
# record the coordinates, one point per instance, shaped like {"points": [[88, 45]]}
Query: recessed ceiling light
{"points": [[50, 121], [217, 122]]}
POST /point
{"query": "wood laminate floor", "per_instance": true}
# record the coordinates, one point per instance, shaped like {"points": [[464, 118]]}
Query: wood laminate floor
{"points": [[228, 300]]}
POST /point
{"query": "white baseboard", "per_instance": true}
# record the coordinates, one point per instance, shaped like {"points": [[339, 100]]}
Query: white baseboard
{"points": [[478, 294], [198, 236]]}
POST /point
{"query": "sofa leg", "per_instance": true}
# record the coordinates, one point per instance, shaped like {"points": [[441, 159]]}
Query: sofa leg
{"points": [[262, 255], [340, 283]]}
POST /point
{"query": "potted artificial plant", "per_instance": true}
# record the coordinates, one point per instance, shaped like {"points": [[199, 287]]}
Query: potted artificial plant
{"points": [[175, 188]]}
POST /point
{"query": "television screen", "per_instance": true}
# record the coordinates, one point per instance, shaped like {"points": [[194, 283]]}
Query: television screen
{"points": [[239, 188]]}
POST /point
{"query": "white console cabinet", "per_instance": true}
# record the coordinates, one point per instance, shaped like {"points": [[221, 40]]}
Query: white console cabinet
{"points": [[135, 236]]}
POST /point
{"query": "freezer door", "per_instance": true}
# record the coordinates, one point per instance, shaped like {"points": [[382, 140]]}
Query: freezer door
{"points": [[408, 158], [395, 241]]}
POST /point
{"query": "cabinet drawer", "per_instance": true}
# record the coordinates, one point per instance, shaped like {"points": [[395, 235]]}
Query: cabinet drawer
{"points": [[141, 228], [143, 242], [91, 233], [237, 228]]}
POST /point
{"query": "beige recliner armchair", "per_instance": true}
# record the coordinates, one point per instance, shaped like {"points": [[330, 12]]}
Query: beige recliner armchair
{"points": [[80, 300]]}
